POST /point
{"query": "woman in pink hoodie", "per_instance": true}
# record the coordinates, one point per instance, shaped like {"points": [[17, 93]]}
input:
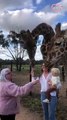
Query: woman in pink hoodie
{"points": [[9, 93]]}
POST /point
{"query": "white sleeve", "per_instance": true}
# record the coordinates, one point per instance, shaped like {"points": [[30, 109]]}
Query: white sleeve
{"points": [[59, 85]]}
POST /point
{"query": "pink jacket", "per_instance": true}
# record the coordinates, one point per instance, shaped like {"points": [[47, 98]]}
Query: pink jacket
{"points": [[9, 93]]}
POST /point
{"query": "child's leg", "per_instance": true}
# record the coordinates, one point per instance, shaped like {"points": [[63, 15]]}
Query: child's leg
{"points": [[48, 96], [49, 91]]}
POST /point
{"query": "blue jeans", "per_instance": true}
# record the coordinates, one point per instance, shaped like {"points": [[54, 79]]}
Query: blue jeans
{"points": [[45, 106], [53, 105], [49, 108]]}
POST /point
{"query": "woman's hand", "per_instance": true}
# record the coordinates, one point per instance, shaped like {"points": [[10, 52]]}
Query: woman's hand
{"points": [[35, 80]]}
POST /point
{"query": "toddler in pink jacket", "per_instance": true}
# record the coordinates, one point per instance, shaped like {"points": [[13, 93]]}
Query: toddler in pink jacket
{"points": [[9, 92]]}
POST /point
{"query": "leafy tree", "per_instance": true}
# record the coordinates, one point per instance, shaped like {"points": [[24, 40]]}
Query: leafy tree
{"points": [[14, 46]]}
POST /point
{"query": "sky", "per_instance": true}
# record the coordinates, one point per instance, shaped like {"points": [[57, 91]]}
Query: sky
{"points": [[27, 14]]}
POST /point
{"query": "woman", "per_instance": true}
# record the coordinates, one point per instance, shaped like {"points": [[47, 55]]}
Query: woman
{"points": [[48, 108], [9, 92]]}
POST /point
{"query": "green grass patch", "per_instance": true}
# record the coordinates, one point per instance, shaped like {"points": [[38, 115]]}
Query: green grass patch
{"points": [[32, 102]]}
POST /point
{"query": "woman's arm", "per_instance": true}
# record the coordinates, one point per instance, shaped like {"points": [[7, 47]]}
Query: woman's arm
{"points": [[14, 90]]}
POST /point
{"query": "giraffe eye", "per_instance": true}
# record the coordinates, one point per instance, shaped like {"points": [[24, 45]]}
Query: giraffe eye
{"points": [[57, 43]]}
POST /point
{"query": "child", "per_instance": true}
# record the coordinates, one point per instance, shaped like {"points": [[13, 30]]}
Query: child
{"points": [[54, 82]]}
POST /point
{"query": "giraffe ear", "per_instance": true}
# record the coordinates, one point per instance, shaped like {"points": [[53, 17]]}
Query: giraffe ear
{"points": [[58, 27]]}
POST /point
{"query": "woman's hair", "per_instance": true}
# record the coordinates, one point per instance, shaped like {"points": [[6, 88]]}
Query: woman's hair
{"points": [[3, 73], [56, 71], [47, 65]]}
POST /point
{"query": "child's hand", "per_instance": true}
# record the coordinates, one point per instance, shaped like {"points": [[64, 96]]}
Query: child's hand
{"points": [[49, 82]]}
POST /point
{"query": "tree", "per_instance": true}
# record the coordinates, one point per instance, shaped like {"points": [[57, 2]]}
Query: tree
{"points": [[14, 47]]}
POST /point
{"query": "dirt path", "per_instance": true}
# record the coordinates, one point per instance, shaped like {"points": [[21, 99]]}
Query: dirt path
{"points": [[25, 114]]}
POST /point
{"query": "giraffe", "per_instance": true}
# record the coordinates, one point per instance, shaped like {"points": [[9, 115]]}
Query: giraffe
{"points": [[56, 51]]}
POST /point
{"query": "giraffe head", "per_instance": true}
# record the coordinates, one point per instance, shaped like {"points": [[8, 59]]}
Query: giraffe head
{"points": [[55, 50], [29, 43]]}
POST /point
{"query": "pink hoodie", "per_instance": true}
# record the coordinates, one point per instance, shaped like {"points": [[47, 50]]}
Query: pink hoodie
{"points": [[9, 93]]}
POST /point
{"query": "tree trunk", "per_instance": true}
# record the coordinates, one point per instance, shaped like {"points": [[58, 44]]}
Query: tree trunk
{"points": [[30, 77], [31, 65], [65, 66], [20, 64], [17, 64], [11, 66]]}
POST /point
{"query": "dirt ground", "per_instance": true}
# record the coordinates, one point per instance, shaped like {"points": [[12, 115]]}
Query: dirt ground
{"points": [[25, 114]]}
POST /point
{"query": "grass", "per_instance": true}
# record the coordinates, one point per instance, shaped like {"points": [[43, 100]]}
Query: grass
{"points": [[32, 102]]}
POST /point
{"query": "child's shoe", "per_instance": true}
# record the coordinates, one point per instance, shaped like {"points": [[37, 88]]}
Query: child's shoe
{"points": [[46, 101]]}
